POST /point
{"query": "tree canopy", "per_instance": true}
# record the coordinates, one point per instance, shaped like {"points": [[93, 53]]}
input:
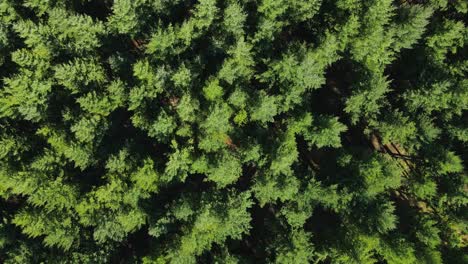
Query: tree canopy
{"points": [[234, 131]]}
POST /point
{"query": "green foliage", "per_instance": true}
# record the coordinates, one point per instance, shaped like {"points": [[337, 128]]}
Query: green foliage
{"points": [[25, 97], [217, 218], [58, 229], [78, 74], [396, 128], [213, 91], [415, 20], [176, 39], [298, 250], [239, 131], [234, 19], [216, 128], [126, 16], [366, 100], [226, 170], [325, 133], [239, 65], [265, 109]]}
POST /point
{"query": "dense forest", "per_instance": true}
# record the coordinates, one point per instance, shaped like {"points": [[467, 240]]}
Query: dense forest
{"points": [[233, 131]]}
